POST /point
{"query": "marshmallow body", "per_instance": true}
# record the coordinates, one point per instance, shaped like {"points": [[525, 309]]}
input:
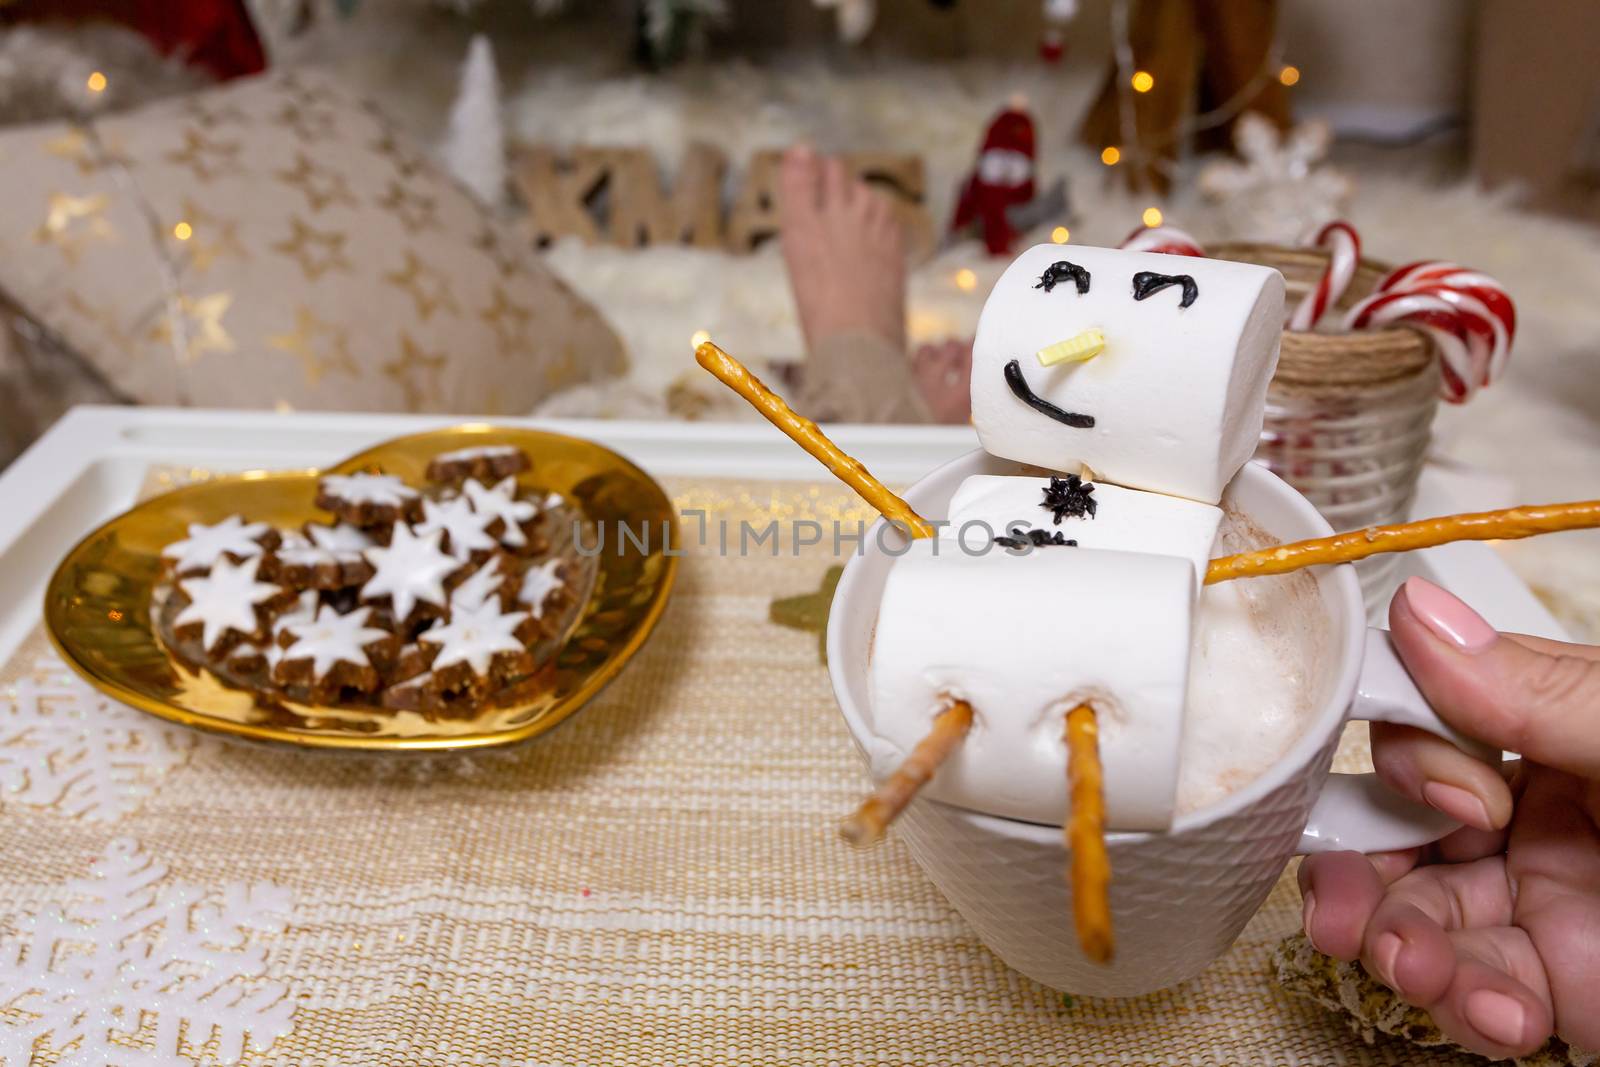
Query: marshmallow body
{"points": [[1177, 393], [1024, 639], [1124, 520]]}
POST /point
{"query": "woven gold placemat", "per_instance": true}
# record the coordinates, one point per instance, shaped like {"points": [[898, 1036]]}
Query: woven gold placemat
{"points": [[657, 882]]}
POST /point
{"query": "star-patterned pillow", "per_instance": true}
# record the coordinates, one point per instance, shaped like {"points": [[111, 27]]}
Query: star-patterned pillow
{"points": [[278, 243]]}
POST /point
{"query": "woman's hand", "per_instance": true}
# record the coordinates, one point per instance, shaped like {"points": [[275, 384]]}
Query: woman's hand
{"points": [[1494, 930]]}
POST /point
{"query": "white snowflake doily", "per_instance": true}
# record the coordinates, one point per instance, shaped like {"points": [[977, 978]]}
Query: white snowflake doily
{"points": [[66, 747], [140, 971]]}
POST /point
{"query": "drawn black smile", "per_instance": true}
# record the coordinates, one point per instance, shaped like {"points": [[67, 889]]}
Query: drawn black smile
{"points": [[1020, 390]]}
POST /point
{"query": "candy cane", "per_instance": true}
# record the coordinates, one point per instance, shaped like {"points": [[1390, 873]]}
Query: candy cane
{"points": [[1481, 287], [1485, 319], [1344, 254], [1167, 239], [1440, 320]]}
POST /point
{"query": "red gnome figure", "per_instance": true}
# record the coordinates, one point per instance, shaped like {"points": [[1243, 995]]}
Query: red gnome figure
{"points": [[1001, 180]]}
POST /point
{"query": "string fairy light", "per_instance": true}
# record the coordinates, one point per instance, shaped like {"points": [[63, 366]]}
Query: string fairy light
{"points": [[1060, 235], [183, 231], [97, 82], [1145, 151], [169, 267], [1142, 81], [1152, 217], [966, 280]]}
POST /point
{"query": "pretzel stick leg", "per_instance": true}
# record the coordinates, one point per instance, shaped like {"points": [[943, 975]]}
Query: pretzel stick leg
{"points": [[865, 826], [1086, 836], [804, 432], [1506, 525]]}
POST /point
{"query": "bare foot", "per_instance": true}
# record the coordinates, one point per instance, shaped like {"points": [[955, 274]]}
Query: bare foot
{"points": [[844, 249], [943, 374]]}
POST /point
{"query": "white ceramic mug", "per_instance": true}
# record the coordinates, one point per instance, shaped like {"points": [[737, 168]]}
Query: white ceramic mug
{"points": [[1178, 898]]}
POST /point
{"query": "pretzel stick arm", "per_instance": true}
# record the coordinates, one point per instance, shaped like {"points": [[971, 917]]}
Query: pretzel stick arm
{"points": [[1090, 870], [1509, 524], [804, 432], [865, 826]]}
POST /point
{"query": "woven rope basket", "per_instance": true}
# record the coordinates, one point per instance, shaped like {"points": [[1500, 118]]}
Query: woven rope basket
{"points": [[1334, 363], [1349, 415]]}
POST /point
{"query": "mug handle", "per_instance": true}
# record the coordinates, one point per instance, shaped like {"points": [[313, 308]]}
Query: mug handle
{"points": [[1357, 811]]}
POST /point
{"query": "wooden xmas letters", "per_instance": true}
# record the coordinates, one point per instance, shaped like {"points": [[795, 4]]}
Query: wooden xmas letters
{"points": [[617, 195]]}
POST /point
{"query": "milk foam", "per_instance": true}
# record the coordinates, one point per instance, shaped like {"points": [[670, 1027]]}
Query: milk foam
{"points": [[1254, 677]]}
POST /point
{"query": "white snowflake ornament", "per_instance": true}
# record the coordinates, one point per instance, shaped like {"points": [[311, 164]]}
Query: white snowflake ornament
{"points": [[501, 503], [1277, 189], [131, 947], [207, 544], [411, 570], [68, 749]]}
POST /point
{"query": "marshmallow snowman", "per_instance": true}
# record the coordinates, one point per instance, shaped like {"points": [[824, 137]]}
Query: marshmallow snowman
{"points": [[1150, 371]]}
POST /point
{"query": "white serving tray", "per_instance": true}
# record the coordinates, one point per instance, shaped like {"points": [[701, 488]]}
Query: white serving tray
{"points": [[90, 465]]}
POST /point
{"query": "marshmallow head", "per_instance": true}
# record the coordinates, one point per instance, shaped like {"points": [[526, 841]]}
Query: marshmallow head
{"points": [[1149, 369], [1024, 639]]}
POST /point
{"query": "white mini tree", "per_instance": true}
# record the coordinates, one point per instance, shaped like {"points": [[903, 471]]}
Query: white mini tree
{"points": [[474, 144]]}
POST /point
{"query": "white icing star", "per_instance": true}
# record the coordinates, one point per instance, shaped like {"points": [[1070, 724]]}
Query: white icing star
{"points": [[538, 584], [225, 600], [327, 544], [206, 544], [304, 610], [461, 455], [380, 490], [476, 590], [411, 569], [456, 518], [333, 638], [501, 503], [342, 539], [473, 636]]}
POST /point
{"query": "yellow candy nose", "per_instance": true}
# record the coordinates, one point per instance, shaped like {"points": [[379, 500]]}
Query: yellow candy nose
{"points": [[1084, 346]]}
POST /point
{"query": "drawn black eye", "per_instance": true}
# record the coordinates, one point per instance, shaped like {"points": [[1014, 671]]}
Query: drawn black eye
{"points": [[1148, 283], [1061, 272]]}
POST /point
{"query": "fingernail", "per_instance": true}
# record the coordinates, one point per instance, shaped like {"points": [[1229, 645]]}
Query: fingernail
{"points": [[1496, 1016], [1460, 804], [1308, 911], [1448, 617], [1384, 954]]}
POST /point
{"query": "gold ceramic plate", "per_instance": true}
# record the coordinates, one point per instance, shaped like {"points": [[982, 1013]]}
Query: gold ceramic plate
{"points": [[97, 606]]}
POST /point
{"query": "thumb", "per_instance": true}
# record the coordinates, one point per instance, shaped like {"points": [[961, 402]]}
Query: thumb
{"points": [[1540, 699]]}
